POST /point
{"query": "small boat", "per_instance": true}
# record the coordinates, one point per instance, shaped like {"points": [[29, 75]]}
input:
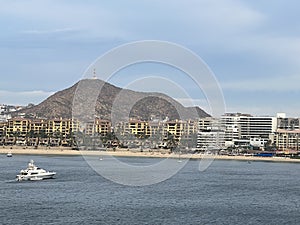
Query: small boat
{"points": [[9, 154], [34, 173]]}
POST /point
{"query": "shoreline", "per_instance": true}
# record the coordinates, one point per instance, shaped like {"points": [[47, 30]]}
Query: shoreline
{"points": [[63, 151]]}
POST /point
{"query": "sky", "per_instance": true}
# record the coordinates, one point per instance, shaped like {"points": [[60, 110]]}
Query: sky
{"points": [[251, 46]]}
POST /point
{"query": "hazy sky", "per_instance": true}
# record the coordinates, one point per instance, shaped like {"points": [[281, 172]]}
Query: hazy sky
{"points": [[252, 46]]}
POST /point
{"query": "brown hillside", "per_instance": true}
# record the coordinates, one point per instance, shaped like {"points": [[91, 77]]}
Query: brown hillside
{"points": [[112, 103]]}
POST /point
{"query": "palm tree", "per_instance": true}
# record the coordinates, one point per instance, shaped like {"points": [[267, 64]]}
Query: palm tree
{"points": [[58, 137], [1, 138], [171, 142], [16, 134], [29, 136], [70, 138]]}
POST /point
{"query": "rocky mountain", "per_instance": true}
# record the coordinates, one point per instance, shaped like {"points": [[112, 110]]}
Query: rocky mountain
{"points": [[95, 98]]}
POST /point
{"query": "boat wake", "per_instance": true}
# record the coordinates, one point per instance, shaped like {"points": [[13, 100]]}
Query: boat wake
{"points": [[10, 181]]}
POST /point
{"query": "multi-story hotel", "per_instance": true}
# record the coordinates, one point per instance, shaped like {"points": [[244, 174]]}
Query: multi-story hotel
{"points": [[173, 127], [17, 127], [257, 127], [156, 128], [180, 130], [231, 124], [244, 126], [138, 128], [21, 129], [3, 126], [38, 126], [288, 123], [286, 140], [286, 137], [97, 127], [210, 134]]}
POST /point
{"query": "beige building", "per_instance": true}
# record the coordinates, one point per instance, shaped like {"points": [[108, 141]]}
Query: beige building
{"points": [[38, 125], [61, 127], [17, 127], [158, 129], [173, 127], [3, 126], [286, 140], [181, 129], [98, 126], [139, 128]]}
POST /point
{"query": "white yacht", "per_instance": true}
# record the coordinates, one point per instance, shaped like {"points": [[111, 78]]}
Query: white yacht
{"points": [[34, 173]]}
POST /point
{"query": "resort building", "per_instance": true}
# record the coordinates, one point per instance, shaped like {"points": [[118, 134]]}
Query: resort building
{"points": [[211, 134], [33, 131], [182, 130], [97, 127], [245, 126], [61, 127], [2, 132], [38, 125], [17, 127], [231, 124], [286, 137], [102, 127], [156, 128], [257, 127], [138, 128], [173, 127], [286, 140], [288, 123]]}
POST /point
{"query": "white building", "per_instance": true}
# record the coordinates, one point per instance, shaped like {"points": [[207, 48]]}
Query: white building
{"points": [[210, 134], [245, 126]]}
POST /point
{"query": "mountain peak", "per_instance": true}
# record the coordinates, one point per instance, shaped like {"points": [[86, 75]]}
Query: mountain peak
{"points": [[111, 101]]}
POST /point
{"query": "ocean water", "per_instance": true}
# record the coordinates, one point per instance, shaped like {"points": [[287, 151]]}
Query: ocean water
{"points": [[228, 192]]}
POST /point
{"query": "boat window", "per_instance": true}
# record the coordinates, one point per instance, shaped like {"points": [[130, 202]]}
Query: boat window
{"points": [[34, 173]]}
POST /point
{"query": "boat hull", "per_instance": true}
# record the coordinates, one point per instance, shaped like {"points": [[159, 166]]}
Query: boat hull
{"points": [[48, 175]]}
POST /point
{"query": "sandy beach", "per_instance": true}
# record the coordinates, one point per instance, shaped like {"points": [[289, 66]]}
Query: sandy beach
{"points": [[132, 153]]}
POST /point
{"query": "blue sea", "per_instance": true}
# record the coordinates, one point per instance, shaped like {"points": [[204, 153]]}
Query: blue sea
{"points": [[228, 192]]}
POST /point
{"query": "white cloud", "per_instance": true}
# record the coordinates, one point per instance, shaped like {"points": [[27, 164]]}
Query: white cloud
{"points": [[278, 84], [220, 25], [136, 20], [23, 97], [53, 31], [227, 15], [226, 31], [94, 20]]}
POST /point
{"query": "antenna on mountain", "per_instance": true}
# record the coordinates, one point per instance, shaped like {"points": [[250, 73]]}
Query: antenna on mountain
{"points": [[94, 74]]}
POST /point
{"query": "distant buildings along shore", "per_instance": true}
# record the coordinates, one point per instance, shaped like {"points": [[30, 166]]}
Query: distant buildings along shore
{"points": [[232, 130]]}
